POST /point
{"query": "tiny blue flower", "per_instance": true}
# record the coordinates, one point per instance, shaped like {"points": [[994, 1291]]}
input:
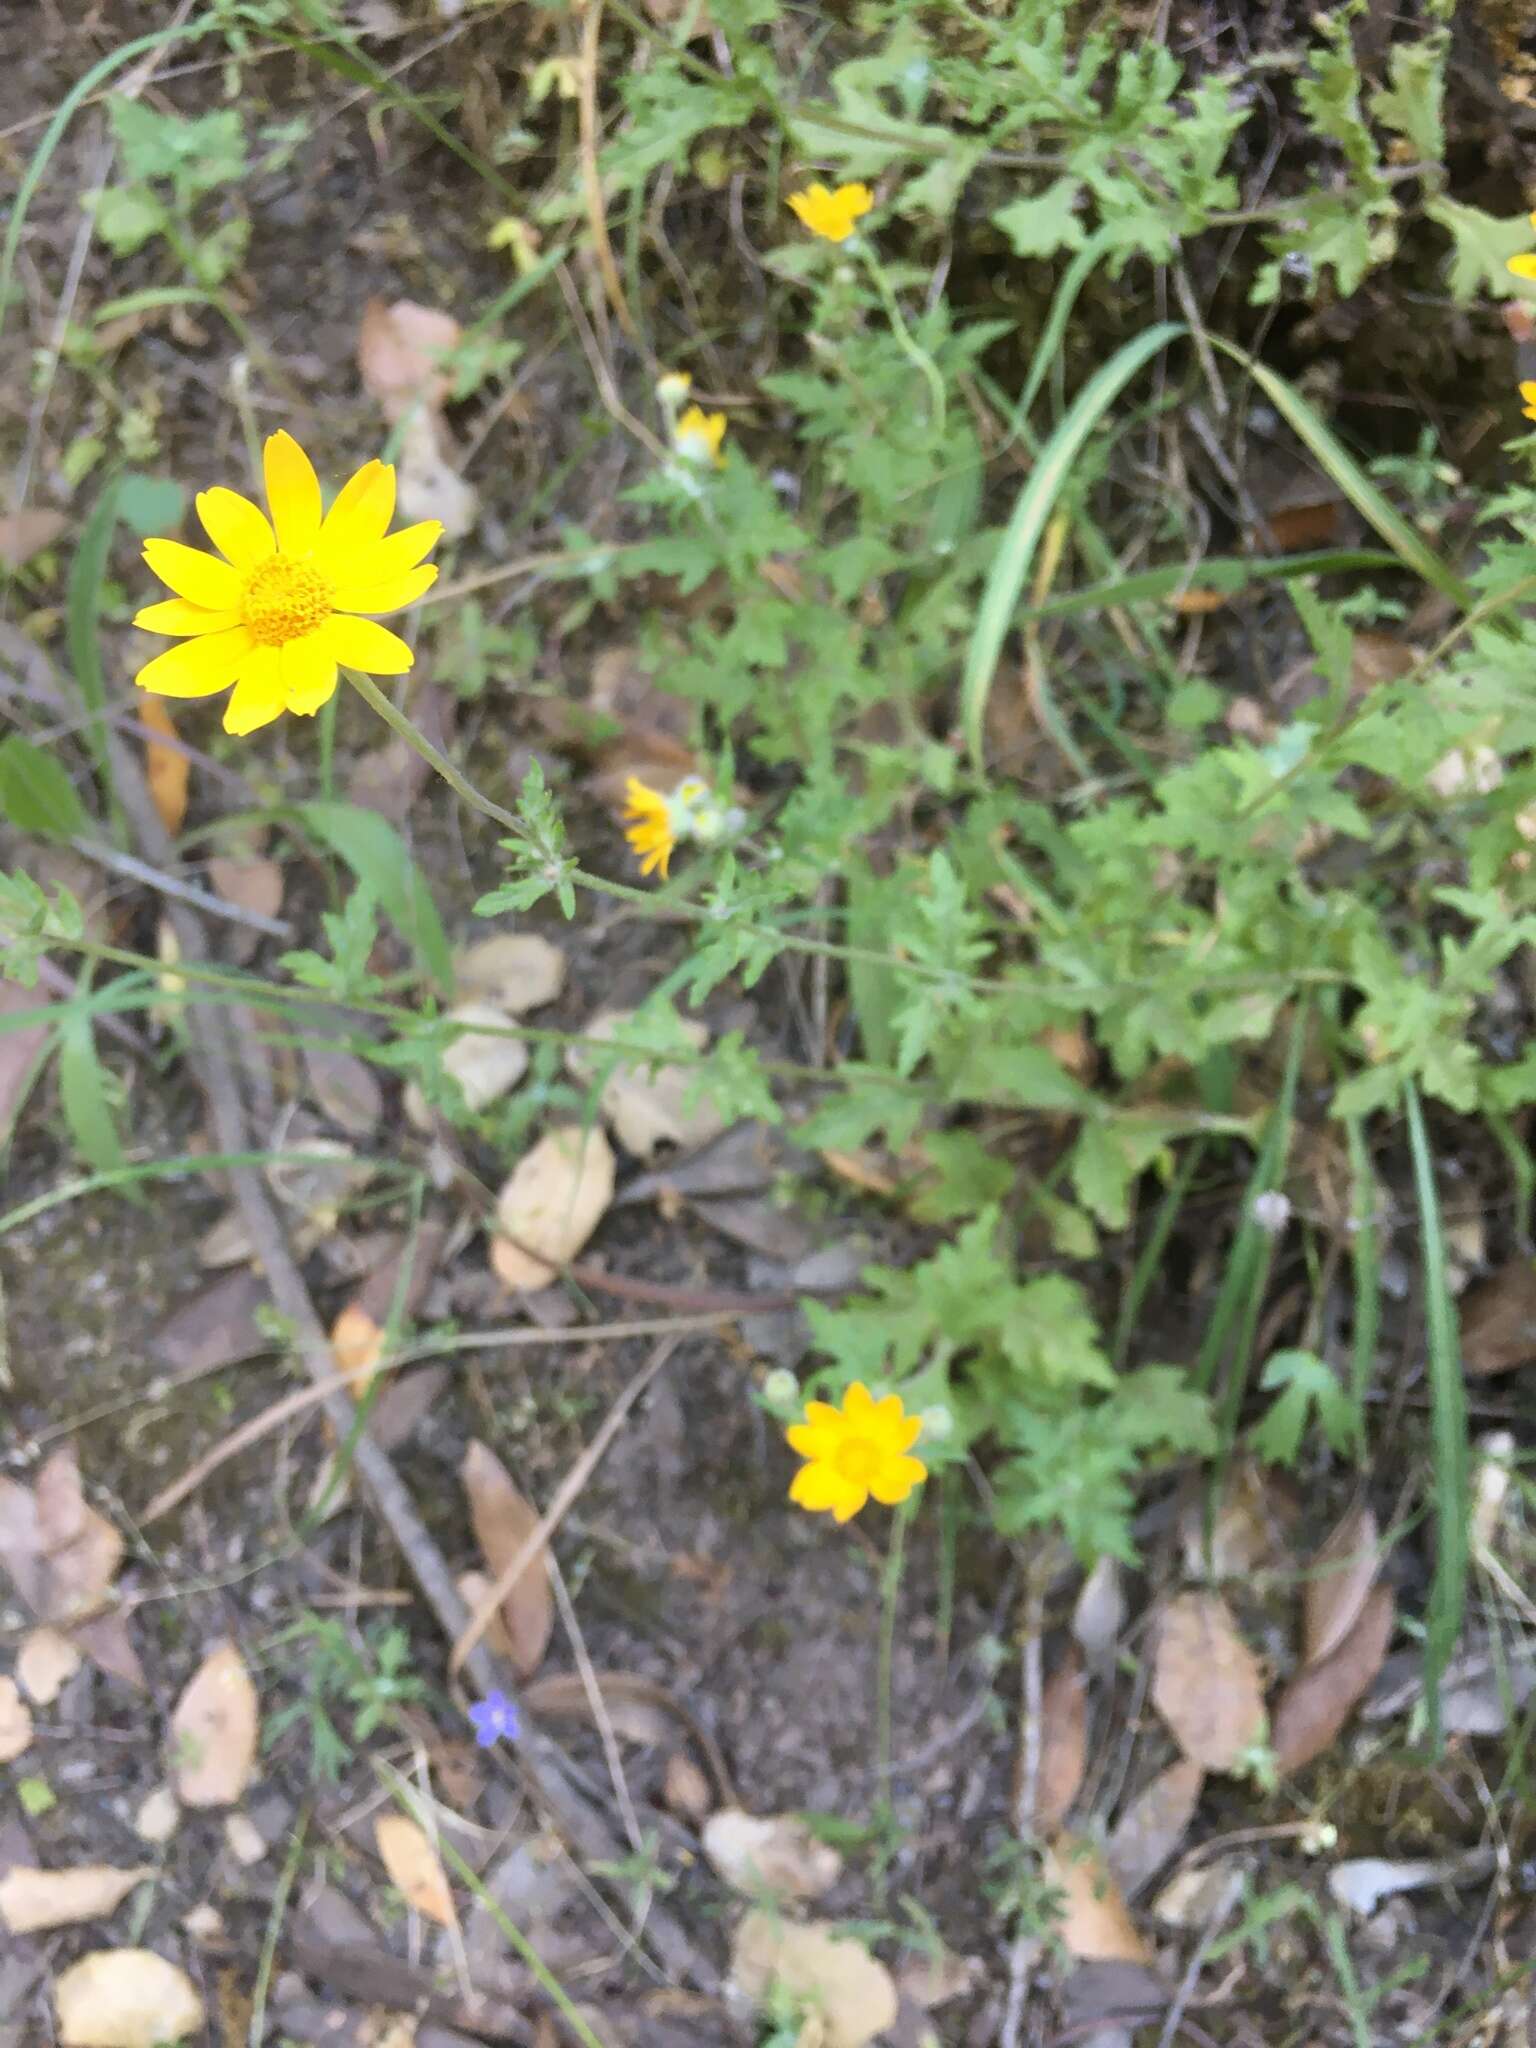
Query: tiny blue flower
{"points": [[494, 1719]]}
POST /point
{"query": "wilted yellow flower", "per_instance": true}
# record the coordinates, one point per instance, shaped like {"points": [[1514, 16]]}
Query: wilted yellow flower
{"points": [[855, 1451], [1528, 393], [273, 613], [649, 828], [832, 215], [698, 434], [1524, 266]]}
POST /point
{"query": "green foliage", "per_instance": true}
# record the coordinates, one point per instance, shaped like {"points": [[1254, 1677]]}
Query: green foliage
{"points": [[170, 166], [346, 1680], [36, 794], [1310, 1388], [382, 863]]}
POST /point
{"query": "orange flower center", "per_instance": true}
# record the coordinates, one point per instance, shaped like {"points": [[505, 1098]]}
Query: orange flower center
{"points": [[858, 1459], [283, 600]]}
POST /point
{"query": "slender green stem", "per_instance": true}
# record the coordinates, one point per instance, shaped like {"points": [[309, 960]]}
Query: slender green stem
{"points": [[890, 1593], [435, 759], [286, 1876], [908, 340]]}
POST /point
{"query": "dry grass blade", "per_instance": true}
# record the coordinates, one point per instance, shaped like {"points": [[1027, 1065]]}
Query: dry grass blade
{"points": [[509, 1571]]}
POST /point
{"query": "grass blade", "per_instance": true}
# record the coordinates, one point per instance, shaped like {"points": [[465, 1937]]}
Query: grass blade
{"points": [[1367, 1265], [53, 134], [1341, 466], [1016, 551], [1448, 1424]]}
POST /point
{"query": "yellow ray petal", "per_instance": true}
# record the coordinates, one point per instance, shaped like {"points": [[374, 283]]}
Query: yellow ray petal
{"points": [[258, 696], [1523, 266], [858, 1402], [194, 574], [175, 615], [293, 492], [894, 1481], [387, 559], [364, 506], [309, 672], [237, 528], [821, 1489], [812, 1440], [360, 643], [196, 668], [387, 597]]}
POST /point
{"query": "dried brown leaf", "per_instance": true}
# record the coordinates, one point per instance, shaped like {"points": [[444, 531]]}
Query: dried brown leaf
{"points": [[1206, 1683], [488, 1060], [1341, 1575], [1099, 1613], [1154, 1824], [214, 1731], [166, 769], [81, 1549], [503, 1521], [15, 1722], [414, 1868], [430, 484], [1498, 1320], [647, 1106], [555, 1198], [851, 1996], [1319, 1699], [31, 1900], [518, 971], [125, 1998], [109, 1646], [1096, 1925], [346, 1088], [770, 1853], [1063, 1742], [45, 1663], [400, 351], [26, 533], [684, 1788], [255, 885], [357, 1345], [1250, 1530]]}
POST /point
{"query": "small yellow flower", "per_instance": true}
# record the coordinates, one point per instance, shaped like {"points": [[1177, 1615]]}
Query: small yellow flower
{"points": [[649, 826], [672, 387], [698, 434], [1528, 393], [855, 1451], [273, 613], [1524, 266], [832, 214]]}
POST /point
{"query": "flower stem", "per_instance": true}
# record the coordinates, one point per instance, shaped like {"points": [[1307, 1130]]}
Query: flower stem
{"points": [[418, 742], [905, 336], [890, 1593]]}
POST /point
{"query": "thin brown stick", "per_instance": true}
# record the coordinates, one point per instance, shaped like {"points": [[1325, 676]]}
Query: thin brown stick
{"points": [[304, 1398], [566, 1493], [539, 1757]]}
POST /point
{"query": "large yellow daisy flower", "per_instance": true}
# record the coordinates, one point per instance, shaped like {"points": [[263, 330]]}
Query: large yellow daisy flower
{"points": [[274, 612], [855, 1451]]}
